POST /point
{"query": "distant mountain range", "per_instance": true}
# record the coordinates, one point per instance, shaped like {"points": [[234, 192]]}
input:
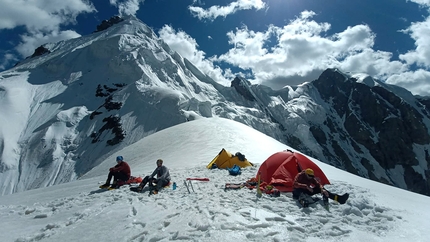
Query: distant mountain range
{"points": [[73, 103]]}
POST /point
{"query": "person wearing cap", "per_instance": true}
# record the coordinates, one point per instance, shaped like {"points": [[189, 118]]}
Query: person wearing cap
{"points": [[162, 180], [120, 172], [305, 182]]}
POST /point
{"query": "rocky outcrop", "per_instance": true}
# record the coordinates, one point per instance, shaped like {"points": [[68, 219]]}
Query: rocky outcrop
{"points": [[40, 51], [377, 121], [242, 87], [108, 23]]}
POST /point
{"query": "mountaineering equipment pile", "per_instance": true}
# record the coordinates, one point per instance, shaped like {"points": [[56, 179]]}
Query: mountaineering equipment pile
{"points": [[250, 184]]}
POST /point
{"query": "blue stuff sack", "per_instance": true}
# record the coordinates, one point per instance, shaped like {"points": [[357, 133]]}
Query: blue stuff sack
{"points": [[235, 170]]}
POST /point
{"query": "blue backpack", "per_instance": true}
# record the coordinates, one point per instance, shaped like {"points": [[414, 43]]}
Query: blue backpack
{"points": [[235, 170]]}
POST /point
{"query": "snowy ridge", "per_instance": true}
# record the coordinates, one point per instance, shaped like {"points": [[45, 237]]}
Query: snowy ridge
{"points": [[375, 212]]}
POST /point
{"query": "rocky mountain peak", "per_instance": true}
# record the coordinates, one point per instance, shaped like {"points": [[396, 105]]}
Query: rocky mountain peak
{"points": [[376, 121], [108, 23], [241, 85]]}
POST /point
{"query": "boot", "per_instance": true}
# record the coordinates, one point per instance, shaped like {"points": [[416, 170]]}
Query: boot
{"points": [[104, 186], [113, 186], [340, 199]]}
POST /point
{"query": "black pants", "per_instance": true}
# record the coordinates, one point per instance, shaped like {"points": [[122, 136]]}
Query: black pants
{"points": [[117, 176], [159, 182], [298, 191], [316, 190]]}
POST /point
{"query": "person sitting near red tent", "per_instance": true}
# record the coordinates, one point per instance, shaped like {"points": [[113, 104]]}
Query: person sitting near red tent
{"points": [[120, 172], [306, 183], [163, 178]]}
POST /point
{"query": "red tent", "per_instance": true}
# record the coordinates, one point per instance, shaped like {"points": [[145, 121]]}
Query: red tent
{"points": [[280, 169]]}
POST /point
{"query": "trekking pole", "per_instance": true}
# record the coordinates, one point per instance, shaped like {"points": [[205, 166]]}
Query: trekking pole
{"points": [[259, 192], [185, 183], [191, 184]]}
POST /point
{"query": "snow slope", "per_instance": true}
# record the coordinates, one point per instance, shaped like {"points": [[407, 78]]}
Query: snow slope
{"points": [[79, 211]]}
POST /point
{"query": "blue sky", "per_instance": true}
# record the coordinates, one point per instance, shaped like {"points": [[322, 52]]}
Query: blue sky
{"points": [[272, 42]]}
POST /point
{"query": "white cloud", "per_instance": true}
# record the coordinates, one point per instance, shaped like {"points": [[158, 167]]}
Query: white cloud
{"points": [[416, 82], [127, 7], [187, 47], [420, 32], [303, 49], [421, 2], [7, 60], [31, 41], [377, 64], [42, 14], [223, 11], [42, 20]]}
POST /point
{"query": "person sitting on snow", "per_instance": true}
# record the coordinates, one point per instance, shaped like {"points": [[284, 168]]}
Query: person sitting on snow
{"points": [[306, 183], [163, 178], [120, 172]]}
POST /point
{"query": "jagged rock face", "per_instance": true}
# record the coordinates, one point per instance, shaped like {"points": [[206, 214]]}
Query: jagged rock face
{"points": [[425, 102], [40, 51], [107, 23], [240, 86], [377, 121]]}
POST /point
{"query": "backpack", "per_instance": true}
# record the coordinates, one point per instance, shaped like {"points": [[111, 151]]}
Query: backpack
{"points": [[235, 170], [240, 156]]}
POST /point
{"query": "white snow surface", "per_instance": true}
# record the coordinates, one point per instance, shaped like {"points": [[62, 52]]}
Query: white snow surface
{"points": [[80, 211]]}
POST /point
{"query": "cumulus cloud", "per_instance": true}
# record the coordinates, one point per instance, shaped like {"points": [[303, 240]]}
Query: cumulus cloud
{"points": [[422, 2], [303, 49], [223, 11], [42, 20], [416, 82], [8, 59], [127, 7], [420, 32], [42, 14], [31, 41], [187, 47]]}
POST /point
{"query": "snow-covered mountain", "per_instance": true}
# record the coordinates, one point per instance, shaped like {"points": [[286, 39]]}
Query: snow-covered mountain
{"points": [[80, 211], [76, 102]]}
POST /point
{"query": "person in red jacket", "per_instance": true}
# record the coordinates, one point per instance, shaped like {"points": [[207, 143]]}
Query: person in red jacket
{"points": [[120, 172], [306, 183]]}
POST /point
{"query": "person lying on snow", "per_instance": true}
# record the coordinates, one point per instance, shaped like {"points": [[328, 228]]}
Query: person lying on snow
{"points": [[120, 172], [306, 183], [162, 180]]}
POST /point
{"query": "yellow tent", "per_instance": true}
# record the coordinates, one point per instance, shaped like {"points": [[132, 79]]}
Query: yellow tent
{"points": [[226, 160]]}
